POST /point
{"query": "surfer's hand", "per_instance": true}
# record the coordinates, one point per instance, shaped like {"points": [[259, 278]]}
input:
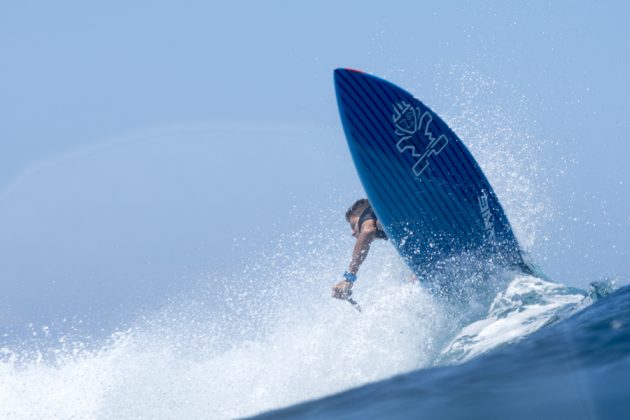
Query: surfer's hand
{"points": [[342, 290]]}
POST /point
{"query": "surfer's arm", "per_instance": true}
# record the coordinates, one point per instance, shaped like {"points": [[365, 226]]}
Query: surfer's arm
{"points": [[362, 247], [342, 290]]}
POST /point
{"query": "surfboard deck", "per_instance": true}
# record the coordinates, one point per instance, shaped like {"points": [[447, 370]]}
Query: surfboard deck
{"points": [[429, 193]]}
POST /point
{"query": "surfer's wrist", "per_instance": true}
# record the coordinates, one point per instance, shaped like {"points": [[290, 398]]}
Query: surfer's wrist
{"points": [[348, 276]]}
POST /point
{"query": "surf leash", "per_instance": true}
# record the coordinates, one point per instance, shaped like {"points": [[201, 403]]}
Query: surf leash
{"points": [[354, 304]]}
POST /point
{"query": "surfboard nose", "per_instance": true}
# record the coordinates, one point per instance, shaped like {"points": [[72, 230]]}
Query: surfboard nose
{"points": [[341, 74], [338, 73]]}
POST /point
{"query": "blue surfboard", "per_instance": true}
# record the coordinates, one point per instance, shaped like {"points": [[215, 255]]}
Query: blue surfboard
{"points": [[427, 190]]}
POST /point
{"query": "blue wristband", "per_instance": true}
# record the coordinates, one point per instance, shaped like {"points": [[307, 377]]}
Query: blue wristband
{"points": [[350, 277]]}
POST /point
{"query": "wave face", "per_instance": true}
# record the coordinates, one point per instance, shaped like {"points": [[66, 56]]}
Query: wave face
{"points": [[577, 368]]}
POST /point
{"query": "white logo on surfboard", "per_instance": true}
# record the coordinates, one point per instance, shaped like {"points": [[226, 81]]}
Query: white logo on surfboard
{"points": [[486, 214], [408, 121]]}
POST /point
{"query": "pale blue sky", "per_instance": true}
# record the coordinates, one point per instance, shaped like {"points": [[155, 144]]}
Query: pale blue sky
{"points": [[137, 138]]}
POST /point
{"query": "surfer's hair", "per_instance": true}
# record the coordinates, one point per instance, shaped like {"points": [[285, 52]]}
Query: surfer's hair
{"points": [[357, 208]]}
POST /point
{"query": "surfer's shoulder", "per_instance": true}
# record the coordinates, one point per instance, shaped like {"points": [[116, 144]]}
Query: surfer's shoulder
{"points": [[369, 226]]}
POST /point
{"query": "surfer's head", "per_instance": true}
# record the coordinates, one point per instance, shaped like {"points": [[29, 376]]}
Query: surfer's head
{"points": [[354, 213]]}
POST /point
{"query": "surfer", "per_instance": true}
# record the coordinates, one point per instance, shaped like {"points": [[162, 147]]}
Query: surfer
{"points": [[366, 228]]}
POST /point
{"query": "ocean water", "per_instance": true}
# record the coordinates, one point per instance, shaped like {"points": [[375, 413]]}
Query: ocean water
{"points": [[576, 367]]}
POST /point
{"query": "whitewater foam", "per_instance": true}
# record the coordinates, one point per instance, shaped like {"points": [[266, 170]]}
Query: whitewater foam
{"points": [[526, 305], [271, 347]]}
